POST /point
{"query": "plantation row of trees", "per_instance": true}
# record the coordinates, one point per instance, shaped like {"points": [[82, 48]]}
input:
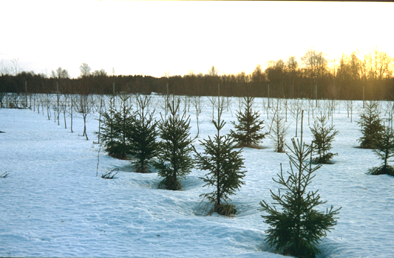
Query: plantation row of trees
{"points": [[297, 230], [378, 137], [313, 76], [133, 135]]}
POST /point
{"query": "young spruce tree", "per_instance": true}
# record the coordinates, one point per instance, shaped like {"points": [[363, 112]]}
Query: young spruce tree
{"points": [[174, 155], [116, 127], [278, 130], [143, 145], [223, 164], [384, 150], [248, 130], [323, 137], [108, 135], [297, 228], [371, 126]]}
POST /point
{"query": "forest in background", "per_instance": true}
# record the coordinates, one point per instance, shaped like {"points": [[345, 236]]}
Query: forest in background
{"points": [[352, 77]]}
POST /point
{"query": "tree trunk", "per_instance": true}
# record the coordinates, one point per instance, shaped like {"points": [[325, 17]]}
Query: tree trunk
{"points": [[71, 115], [84, 127], [64, 116]]}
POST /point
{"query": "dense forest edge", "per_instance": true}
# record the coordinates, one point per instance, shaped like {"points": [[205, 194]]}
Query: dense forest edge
{"points": [[353, 77]]}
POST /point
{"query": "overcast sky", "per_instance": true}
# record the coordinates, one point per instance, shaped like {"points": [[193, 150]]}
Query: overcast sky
{"points": [[153, 38]]}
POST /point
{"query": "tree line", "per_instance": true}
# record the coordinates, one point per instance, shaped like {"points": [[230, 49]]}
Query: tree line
{"points": [[352, 77]]}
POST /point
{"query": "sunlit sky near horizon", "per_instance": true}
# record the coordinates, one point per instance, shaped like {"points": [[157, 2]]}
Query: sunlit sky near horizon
{"points": [[153, 38]]}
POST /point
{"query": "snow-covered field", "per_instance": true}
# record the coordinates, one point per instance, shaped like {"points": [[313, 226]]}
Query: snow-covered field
{"points": [[52, 203]]}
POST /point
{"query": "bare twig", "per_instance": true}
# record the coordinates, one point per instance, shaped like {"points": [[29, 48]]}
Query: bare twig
{"points": [[110, 174], [98, 159]]}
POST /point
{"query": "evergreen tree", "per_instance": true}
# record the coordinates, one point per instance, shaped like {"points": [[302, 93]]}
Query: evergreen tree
{"points": [[124, 122], [297, 228], [384, 150], [248, 130], [371, 125], [143, 145], [115, 129], [108, 135], [223, 164], [174, 159], [323, 136], [278, 131]]}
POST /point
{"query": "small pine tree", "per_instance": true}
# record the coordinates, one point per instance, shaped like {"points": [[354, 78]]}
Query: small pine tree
{"points": [[143, 145], [174, 159], [371, 126], [323, 136], [297, 229], [115, 129], [223, 164], [384, 149], [248, 130]]}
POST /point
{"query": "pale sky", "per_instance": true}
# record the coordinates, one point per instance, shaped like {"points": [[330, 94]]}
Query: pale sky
{"points": [[153, 38]]}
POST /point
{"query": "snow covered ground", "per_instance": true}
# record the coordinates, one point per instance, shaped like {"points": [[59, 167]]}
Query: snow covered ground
{"points": [[52, 203]]}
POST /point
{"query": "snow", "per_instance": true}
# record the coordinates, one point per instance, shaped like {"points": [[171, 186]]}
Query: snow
{"points": [[52, 203]]}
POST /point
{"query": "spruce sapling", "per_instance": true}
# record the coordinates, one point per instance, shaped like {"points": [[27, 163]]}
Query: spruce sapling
{"points": [[371, 125], [116, 128], [323, 137], [297, 228], [124, 123], [223, 164], [248, 130], [108, 132], [143, 145], [174, 155], [384, 149], [278, 130]]}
